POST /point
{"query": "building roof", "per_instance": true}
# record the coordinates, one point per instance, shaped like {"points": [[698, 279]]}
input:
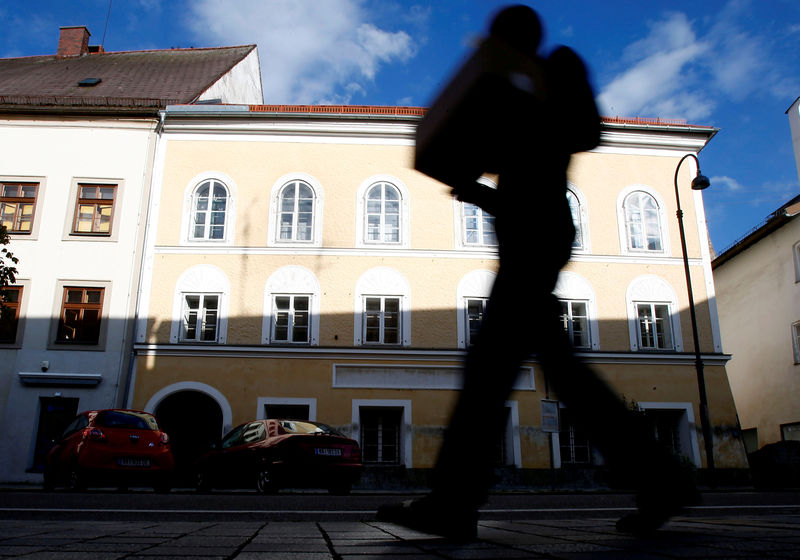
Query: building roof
{"points": [[132, 80], [774, 221]]}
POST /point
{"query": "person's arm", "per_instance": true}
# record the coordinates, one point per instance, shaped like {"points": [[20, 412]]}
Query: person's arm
{"points": [[478, 194]]}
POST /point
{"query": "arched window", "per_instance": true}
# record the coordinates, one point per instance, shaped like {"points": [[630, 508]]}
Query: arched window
{"points": [[209, 211], [578, 211], [296, 214], [383, 213], [642, 222]]}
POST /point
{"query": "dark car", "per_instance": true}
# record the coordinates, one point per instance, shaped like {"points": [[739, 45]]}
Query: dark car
{"points": [[117, 447], [271, 454]]}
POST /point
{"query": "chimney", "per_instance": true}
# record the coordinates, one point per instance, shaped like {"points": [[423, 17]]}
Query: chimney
{"points": [[73, 41]]}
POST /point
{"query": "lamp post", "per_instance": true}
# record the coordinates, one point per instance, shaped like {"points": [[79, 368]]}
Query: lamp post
{"points": [[699, 183]]}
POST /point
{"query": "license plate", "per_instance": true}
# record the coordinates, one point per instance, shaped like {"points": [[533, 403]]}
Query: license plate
{"points": [[133, 462], [331, 452]]}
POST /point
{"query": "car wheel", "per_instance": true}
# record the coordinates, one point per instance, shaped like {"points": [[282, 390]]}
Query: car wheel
{"points": [[342, 489], [77, 482], [265, 482]]}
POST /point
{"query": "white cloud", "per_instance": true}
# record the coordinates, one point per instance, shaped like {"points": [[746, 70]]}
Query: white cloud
{"points": [[653, 84], [671, 73], [310, 52], [726, 182]]}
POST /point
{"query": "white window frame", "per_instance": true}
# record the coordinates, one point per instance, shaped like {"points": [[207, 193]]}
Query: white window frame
{"points": [[406, 442], [647, 289], [361, 213], [382, 282], [201, 321], [201, 279], [570, 321], [187, 221], [291, 280], [582, 227], [476, 284], [291, 313], [382, 317], [571, 286], [664, 332], [622, 222], [796, 256], [38, 208], [274, 231]]}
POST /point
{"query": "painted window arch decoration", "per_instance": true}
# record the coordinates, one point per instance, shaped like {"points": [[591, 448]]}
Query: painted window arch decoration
{"points": [[382, 213], [291, 307], [642, 221], [653, 315], [209, 209], [579, 309], [296, 203], [472, 294], [201, 290], [580, 217], [382, 305]]}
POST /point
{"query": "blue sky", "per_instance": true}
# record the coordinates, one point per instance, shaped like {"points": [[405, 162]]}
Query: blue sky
{"points": [[731, 64]]}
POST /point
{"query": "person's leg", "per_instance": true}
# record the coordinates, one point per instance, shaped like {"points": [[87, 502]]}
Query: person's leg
{"points": [[663, 484]]}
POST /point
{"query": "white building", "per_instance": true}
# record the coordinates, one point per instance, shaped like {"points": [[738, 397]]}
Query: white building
{"points": [[77, 134]]}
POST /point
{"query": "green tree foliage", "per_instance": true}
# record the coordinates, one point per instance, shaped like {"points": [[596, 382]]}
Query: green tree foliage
{"points": [[8, 272]]}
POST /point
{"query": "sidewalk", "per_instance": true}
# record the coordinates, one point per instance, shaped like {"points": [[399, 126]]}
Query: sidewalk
{"points": [[768, 536]]}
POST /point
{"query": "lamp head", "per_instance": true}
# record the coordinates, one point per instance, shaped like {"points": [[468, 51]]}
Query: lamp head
{"points": [[700, 182]]}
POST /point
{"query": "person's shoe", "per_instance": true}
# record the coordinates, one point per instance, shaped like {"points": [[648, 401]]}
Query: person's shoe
{"points": [[661, 498], [428, 515]]}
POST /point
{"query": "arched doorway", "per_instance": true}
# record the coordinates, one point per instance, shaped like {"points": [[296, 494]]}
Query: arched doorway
{"points": [[193, 421]]}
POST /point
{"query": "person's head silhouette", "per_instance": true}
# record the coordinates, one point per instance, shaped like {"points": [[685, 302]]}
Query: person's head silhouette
{"points": [[518, 26]]}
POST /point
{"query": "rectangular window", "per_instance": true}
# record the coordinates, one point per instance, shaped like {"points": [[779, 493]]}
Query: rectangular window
{"points": [[665, 426], [653, 323], [796, 341], [476, 307], [791, 431], [291, 318], [94, 209], [11, 298], [381, 320], [380, 434], [573, 443], [17, 205], [81, 312], [200, 317], [575, 321]]}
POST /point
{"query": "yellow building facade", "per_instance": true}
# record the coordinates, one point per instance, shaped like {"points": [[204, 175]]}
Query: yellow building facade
{"points": [[297, 265]]}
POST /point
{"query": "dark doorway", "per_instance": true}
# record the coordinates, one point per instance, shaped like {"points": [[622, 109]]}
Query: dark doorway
{"points": [[55, 414], [193, 421]]}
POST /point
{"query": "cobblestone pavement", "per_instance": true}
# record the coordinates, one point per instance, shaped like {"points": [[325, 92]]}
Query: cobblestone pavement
{"points": [[762, 537]]}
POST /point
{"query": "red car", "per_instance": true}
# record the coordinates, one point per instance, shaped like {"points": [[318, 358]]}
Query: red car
{"points": [[119, 447], [271, 454]]}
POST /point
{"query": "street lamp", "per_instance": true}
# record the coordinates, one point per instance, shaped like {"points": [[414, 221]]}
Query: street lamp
{"points": [[699, 183]]}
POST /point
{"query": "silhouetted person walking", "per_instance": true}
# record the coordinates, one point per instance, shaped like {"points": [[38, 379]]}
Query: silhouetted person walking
{"points": [[535, 234]]}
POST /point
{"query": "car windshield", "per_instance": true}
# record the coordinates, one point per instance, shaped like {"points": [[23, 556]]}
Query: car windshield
{"points": [[301, 427], [126, 419]]}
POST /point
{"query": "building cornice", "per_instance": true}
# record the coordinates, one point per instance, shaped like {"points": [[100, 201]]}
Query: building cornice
{"points": [[444, 356], [387, 122]]}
